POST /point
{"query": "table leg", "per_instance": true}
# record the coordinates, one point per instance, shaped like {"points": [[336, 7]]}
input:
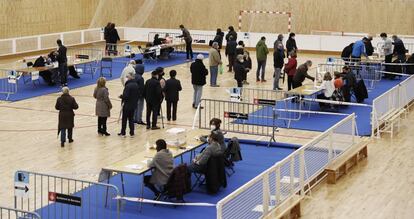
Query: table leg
{"points": [[122, 182], [107, 189], [142, 192]]}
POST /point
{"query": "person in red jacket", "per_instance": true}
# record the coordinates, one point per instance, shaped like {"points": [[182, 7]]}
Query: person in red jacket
{"points": [[290, 69]]}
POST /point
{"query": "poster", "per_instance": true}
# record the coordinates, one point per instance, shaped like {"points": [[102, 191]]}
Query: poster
{"points": [[21, 184]]}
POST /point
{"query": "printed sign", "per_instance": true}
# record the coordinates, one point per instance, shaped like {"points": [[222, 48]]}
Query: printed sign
{"points": [[264, 102], [234, 115], [21, 184], [35, 75], [235, 94], [12, 77], [65, 199], [158, 51]]}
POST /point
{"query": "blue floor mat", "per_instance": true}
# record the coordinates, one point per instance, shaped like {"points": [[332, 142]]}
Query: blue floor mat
{"points": [[321, 122], [26, 91], [256, 159]]}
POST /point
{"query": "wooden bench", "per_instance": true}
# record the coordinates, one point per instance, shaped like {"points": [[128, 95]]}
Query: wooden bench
{"points": [[348, 159], [389, 120], [289, 209]]}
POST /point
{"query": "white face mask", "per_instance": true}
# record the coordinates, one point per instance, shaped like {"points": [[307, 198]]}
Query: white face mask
{"points": [[212, 127]]}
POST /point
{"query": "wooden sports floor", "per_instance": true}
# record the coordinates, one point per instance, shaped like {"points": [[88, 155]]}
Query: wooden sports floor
{"points": [[381, 187]]}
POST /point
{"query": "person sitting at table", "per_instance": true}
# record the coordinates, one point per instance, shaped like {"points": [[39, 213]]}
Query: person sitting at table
{"points": [[46, 74], [338, 82], [301, 74], [162, 164], [213, 148], [215, 128], [157, 40], [168, 39], [327, 87]]}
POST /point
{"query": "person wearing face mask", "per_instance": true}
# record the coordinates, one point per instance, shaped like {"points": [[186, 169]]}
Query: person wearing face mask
{"points": [[239, 71], [215, 128], [153, 96], [278, 61], [129, 99], [291, 44], [301, 74], [213, 148], [129, 69], [387, 49], [162, 164]]}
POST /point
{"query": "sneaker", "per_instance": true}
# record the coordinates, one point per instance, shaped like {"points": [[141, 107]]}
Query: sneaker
{"points": [[121, 135]]}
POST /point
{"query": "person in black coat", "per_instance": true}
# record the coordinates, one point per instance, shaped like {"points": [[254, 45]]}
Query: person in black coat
{"points": [[107, 28], [129, 104], [66, 104], [369, 49], [139, 71], [219, 37], [46, 74], [231, 52], [199, 73], [62, 60], [301, 74], [232, 34], [239, 71], [291, 44], [347, 52], [410, 68], [349, 83], [113, 38], [153, 96], [171, 90], [399, 48]]}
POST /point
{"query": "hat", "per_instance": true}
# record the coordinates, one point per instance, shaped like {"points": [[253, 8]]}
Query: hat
{"points": [[200, 56]]}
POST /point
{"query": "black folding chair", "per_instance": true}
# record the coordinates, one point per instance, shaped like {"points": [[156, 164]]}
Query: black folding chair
{"points": [[106, 64]]}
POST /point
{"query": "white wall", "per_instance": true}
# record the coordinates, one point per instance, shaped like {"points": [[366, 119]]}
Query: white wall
{"points": [[304, 42]]}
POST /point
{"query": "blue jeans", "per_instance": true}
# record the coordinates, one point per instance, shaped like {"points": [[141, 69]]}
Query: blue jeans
{"points": [[213, 75], [63, 134], [276, 78], [139, 110], [198, 92]]}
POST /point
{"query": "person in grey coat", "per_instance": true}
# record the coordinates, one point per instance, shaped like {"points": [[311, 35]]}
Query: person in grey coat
{"points": [[213, 148], [103, 105], [163, 165]]}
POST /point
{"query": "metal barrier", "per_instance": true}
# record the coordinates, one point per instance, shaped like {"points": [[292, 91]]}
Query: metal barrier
{"points": [[371, 73], [8, 82], [197, 38], [65, 198], [11, 213], [238, 117], [290, 177], [255, 95], [392, 101]]}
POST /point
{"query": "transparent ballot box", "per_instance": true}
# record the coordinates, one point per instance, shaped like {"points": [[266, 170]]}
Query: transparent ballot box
{"points": [[176, 137]]}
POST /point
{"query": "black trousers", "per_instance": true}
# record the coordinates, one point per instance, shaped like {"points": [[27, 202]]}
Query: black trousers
{"points": [[102, 124], [239, 83], [290, 82], [231, 59], [189, 49], [388, 59], [322, 97], [127, 115], [296, 84], [150, 185], [346, 91], [152, 109], [172, 105], [63, 72]]}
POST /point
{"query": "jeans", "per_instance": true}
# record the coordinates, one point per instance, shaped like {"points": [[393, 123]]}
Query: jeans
{"points": [[198, 92], [173, 105], [152, 109], [213, 75], [189, 50], [127, 115], [63, 134], [102, 124], [139, 110], [261, 65], [63, 73], [276, 78]]}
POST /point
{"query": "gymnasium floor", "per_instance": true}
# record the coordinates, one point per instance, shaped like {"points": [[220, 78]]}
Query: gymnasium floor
{"points": [[381, 187]]}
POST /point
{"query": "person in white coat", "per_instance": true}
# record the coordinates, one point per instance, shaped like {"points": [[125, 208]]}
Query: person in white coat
{"points": [[129, 69], [328, 87]]}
